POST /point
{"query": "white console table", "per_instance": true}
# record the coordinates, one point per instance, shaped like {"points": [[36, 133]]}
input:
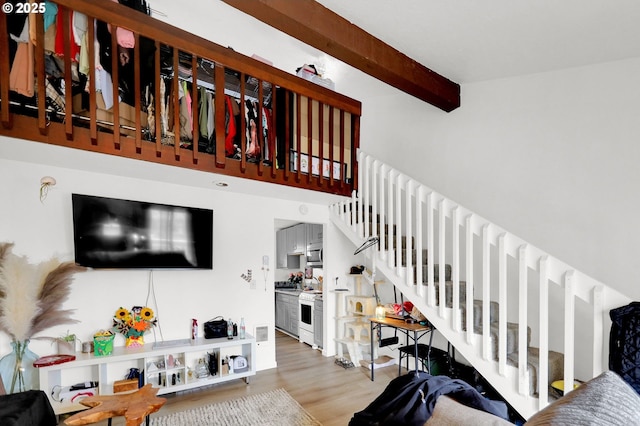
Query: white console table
{"points": [[177, 359]]}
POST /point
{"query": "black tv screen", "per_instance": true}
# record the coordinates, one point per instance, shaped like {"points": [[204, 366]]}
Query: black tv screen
{"points": [[114, 233]]}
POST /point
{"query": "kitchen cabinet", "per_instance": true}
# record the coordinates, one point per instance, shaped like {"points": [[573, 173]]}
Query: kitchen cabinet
{"points": [[169, 366], [297, 239], [287, 315], [281, 249], [318, 328], [314, 234], [291, 243], [294, 316], [282, 311]]}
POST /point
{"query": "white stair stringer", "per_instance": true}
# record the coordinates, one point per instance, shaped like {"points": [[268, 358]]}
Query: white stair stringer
{"points": [[453, 235]]}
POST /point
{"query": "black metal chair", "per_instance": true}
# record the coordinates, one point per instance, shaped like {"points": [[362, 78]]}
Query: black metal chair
{"points": [[424, 352]]}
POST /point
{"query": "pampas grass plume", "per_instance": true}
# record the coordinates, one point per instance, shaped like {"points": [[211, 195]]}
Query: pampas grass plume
{"points": [[31, 296]]}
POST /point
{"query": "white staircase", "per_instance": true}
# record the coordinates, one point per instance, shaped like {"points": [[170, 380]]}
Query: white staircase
{"points": [[558, 314]]}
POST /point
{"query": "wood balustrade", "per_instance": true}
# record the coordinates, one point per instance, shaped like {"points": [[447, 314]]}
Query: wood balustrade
{"points": [[288, 130]]}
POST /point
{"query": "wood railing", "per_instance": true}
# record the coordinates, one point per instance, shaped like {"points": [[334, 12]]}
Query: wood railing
{"points": [[269, 125]]}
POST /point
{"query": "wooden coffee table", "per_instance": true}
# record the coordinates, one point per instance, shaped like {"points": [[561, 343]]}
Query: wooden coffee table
{"points": [[134, 406]]}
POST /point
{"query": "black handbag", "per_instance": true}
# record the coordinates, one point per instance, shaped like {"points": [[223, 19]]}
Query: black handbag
{"points": [[215, 328]]}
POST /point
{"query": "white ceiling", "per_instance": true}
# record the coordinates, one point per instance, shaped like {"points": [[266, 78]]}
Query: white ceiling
{"points": [[472, 40]]}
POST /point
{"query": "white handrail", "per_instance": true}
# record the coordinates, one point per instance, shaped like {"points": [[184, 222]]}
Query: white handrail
{"points": [[542, 286]]}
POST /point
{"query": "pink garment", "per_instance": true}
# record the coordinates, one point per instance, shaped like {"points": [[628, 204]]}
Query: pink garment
{"points": [[125, 37], [21, 78], [189, 107]]}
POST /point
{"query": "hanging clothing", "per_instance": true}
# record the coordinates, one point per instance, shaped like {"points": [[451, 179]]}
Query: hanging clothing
{"points": [[79, 25], [59, 46], [104, 85], [211, 115], [230, 122], [23, 37], [268, 146], [50, 12], [186, 112], [21, 77], [124, 37], [203, 106]]}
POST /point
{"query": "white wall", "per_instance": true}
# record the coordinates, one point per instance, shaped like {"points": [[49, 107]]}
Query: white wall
{"points": [[550, 157], [243, 232]]}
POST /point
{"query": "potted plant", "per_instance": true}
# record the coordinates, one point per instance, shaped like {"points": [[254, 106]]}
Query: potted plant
{"points": [[67, 344]]}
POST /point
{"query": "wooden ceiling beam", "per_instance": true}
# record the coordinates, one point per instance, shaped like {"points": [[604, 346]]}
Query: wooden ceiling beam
{"points": [[317, 26]]}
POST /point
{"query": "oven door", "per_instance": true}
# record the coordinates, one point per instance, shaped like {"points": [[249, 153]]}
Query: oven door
{"points": [[306, 314], [305, 324]]}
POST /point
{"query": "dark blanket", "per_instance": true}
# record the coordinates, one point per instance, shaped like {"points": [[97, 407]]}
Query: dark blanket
{"points": [[411, 398], [30, 408]]}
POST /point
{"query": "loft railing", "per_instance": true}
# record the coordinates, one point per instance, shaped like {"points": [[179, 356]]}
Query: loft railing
{"points": [[566, 310], [184, 101]]}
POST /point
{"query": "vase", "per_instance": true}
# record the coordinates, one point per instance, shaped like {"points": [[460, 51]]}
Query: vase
{"points": [[134, 341], [16, 368]]}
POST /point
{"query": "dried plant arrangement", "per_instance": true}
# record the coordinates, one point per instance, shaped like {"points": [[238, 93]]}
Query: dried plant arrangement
{"points": [[31, 296], [31, 299]]}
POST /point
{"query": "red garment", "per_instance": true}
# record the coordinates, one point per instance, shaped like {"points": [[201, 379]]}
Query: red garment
{"points": [[231, 129], [75, 49]]}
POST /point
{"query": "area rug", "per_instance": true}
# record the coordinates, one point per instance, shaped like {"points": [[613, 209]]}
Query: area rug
{"points": [[273, 408]]}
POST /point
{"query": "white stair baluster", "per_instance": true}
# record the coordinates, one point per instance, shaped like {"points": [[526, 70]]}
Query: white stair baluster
{"points": [[543, 366], [392, 224], [442, 238], [419, 255], [455, 268], [398, 205], [366, 203], [408, 193], [469, 277], [430, 237], [502, 305], [523, 352], [486, 293], [569, 330], [599, 314], [382, 234]]}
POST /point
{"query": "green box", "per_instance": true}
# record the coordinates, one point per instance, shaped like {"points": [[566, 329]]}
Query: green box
{"points": [[103, 345]]}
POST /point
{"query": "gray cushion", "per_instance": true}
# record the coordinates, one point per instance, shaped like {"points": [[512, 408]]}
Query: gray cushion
{"points": [[449, 412], [604, 400]]}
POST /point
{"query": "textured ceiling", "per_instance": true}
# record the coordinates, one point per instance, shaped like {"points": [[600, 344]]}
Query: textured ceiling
{"points": [[471, 40]]}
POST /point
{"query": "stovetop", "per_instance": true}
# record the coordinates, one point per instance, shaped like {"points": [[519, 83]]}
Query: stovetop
{"points": [[284, 284]]}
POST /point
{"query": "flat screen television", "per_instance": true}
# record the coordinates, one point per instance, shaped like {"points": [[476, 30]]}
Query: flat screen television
{"points": [[114, 233]]}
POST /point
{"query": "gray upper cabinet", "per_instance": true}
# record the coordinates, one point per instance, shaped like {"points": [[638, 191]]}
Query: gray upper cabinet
{"points": [[281, 249], [290, 244], [314, 233], [297, 239]]}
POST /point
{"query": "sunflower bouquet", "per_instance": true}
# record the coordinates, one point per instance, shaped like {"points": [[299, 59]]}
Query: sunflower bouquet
{"points": [[134, 323]]}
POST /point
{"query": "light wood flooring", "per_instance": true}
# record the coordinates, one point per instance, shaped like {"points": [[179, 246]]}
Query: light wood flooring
{"points": [[327, 391]]}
